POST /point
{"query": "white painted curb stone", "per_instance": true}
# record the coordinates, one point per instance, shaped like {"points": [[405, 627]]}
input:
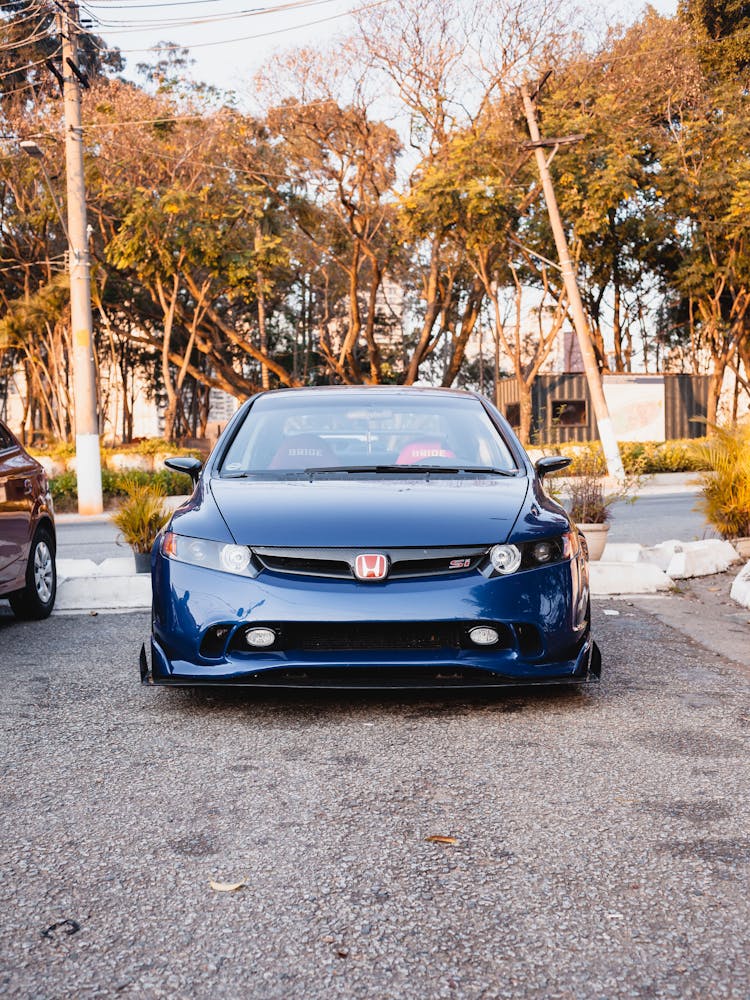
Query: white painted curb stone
{"points": [[661, 555], [104, 592], [71, 569], [609, 578], [740, 591], [117, 566], [623, 552], [702, 558]]}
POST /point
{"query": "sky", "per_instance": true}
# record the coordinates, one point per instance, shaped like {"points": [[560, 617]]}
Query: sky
{"points": [[230, 40]]}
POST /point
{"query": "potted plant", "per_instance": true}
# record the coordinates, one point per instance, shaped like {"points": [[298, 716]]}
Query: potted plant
{"points": [[587, 503], [725, 488], [140, 518], [589, 508]]}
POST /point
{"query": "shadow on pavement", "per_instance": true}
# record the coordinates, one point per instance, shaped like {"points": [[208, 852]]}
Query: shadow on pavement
{"points": [[425, 703]]}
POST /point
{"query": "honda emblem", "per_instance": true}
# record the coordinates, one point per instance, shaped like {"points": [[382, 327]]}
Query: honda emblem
{"points": [[371, 566]]}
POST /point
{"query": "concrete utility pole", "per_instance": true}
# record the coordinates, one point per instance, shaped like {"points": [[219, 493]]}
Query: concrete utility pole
{"points": [[88, 462], [590, 367]]}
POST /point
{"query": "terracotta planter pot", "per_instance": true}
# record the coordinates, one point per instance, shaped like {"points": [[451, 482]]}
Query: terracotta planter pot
{"points": [[596, 538]]}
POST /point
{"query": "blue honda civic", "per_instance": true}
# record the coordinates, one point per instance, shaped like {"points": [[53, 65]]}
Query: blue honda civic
{"points": [[378, 537]]}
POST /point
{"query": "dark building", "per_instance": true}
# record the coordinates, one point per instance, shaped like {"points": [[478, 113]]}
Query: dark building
{"points": [[643, 407]]}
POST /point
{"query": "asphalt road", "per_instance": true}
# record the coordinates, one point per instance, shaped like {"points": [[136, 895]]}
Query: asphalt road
{"points": [[602, 846], [651, 519]]}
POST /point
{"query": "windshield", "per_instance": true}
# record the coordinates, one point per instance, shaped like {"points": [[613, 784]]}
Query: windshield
{"points": [[342, 432]]}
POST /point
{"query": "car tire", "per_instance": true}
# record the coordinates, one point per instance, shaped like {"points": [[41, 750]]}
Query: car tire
{"points": [[37, 598]]}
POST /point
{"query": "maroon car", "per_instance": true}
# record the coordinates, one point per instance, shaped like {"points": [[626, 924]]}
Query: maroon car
{"points": [[27, 532]]}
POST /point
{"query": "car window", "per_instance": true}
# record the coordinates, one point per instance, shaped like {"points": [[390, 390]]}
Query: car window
{"points": [[287, 432], [6, 441]]}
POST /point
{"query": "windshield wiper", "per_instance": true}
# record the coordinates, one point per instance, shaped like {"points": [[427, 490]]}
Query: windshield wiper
{"points": [[411, 469]]}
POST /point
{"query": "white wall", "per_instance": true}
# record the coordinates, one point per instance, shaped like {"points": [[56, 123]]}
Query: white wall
{"points": [[636, 406]]}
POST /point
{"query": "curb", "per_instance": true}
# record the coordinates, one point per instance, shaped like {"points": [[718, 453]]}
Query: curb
{"points": [[740, 591]]}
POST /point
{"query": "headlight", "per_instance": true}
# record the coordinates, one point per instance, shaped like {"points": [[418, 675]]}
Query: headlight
{"points": [[227, 558], [505, 559]]}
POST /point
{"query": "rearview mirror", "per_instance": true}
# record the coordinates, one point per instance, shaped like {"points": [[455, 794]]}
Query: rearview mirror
{"points": [[551, 463], [191, 466]]}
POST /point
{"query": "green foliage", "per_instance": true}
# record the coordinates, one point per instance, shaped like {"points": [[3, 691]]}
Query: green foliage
{"points": [[725, 498], [722, 30], [24, 317], [153, 446], [64, 488], [142, 514], [587, 503], [639, 458], [54, 450]]}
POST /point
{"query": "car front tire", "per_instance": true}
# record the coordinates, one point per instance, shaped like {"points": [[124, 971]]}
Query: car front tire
{"points": [[37, 598]]}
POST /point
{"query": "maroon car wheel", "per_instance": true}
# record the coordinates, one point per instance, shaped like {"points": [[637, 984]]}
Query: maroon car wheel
{"points": [[37, 598]]}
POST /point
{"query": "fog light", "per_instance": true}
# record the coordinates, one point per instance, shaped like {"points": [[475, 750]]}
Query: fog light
{"points": [[260, 638], [484, 636], [543, 551], [505, 558]]}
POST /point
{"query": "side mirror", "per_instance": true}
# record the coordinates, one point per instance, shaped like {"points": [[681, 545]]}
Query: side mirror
{"points": [[551, 463], [191, 466]]}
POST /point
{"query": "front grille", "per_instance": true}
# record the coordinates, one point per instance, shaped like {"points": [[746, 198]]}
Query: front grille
{"points": [[403, 563], [374, 636], [378, 637]]}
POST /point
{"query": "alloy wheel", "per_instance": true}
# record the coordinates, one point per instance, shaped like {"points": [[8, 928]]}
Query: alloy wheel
{"points": [[43, 572]]}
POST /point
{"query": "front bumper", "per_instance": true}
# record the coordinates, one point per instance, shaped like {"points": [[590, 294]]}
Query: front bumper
{"points": [[586, 667], [188, 601]]}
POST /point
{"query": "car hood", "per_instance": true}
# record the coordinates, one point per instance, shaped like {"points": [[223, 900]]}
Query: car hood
{"points": [[375, 513]]}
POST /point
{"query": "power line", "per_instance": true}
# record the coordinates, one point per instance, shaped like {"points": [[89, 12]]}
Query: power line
{"points": [[21, 68], [166, 23], [19, 43], [131, 6], [177, 158], [163, 120], [245, 38], [15, 21]]}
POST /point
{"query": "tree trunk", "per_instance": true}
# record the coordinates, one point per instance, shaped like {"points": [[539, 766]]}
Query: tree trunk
{"points": [[617, 325], [432, 295], [375, 358], [261, 313], [525, 412], [714, 392], [170, 418], [468, 322]]}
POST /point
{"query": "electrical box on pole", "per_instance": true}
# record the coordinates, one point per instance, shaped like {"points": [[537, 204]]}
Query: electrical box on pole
{"points": [[590, 367]]}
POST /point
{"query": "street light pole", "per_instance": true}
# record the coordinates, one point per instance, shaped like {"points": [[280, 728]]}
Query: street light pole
{"points": [[601, 410], [88, 461]]}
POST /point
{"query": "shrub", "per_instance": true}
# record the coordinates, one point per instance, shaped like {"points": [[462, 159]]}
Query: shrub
{"points": [[639, 458], [585, 492], [725, 498], [64, 488], [142, 515]]}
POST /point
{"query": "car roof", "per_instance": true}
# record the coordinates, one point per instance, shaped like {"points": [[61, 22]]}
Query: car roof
{"points": [[399, 390]]}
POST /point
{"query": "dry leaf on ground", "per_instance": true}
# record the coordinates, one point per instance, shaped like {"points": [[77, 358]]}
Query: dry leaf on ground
{"points": [[226, 886], [437, 839]]}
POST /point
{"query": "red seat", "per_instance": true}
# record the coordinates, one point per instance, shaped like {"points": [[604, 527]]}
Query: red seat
{"points": [[422, 451]]}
